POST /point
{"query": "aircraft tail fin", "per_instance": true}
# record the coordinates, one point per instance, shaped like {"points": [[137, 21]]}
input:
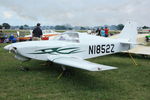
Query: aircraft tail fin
{"points": [[129, 32]]}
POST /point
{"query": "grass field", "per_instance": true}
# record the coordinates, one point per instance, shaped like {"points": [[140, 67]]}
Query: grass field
{"points": [[128, 82]]}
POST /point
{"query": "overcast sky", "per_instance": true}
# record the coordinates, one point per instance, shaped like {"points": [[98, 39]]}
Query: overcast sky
{"points": [[74, 12]]}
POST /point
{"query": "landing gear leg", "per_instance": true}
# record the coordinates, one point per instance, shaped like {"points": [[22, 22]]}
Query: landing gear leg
{"points": [[132, 58], [64, 69]]}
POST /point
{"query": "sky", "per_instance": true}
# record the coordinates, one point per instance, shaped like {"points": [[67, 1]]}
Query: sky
{"points": [[74, 12]]}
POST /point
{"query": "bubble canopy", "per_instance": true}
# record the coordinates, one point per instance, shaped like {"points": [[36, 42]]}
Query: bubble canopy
{"points": [[68, 36]]}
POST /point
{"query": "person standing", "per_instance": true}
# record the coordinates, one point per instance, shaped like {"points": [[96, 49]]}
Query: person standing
{"points": [[37, 32], [98, 31], [102, 32], [106, 31]]}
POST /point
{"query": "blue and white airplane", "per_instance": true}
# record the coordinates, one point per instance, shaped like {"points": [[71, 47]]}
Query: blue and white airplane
{"points": [[71, 49]]}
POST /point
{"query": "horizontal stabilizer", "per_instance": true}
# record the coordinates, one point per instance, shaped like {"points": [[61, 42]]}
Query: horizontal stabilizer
{"points": [[124, 42], [82, 64], [127, 43]]}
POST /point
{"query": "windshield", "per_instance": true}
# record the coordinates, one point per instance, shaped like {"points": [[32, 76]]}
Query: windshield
{"points": [[72, 37]]}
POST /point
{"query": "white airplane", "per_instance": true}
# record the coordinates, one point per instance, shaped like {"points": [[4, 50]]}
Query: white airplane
{"points": [[71, 49]]}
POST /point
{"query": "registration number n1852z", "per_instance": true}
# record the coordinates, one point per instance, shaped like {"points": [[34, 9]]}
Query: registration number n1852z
{"points": [[104, 48]]}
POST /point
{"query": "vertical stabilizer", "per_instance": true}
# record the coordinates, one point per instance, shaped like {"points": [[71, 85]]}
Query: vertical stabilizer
{"points": [[129, 32]]}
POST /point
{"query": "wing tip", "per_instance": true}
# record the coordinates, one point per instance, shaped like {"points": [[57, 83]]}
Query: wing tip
{"points": [[103, 69]]}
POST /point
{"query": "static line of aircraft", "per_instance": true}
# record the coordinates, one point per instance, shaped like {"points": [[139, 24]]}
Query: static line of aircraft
{"points": [[72, 48]]}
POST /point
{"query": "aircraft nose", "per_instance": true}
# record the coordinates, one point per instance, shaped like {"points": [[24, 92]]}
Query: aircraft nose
{"points": [[7, 47]]}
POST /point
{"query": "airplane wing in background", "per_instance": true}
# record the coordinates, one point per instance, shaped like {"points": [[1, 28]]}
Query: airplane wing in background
{"points": [[79, 63]]}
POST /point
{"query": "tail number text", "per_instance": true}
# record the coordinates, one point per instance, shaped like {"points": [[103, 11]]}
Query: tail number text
{"points": [[105, 48]]}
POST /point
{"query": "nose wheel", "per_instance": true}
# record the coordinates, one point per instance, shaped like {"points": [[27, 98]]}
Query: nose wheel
{"points": [[23, 68]]}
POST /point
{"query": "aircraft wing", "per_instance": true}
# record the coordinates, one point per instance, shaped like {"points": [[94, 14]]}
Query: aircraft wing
{"points": [[80, 63]]}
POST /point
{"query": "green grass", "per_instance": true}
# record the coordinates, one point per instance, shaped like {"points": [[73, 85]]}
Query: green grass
{"points": [[128, 82]]}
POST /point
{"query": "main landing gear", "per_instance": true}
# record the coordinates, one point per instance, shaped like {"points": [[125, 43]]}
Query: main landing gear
{"points": [[60, 75]]}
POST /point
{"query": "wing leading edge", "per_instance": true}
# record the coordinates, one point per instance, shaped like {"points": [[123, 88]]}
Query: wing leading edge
{"points": [[79, 63]]}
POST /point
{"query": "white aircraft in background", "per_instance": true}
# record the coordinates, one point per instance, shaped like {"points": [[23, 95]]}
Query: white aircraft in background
{"points": [[71, 49]]}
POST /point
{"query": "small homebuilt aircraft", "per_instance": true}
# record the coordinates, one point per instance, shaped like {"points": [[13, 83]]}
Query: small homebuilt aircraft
{"points": [[71, 49]]}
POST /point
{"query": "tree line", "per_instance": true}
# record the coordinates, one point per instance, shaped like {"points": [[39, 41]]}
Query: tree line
{"points": [[62, 27], [5, 26]]}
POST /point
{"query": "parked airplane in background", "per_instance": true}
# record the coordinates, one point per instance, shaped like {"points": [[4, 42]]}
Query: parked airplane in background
{"points": [[46, 35], [70, 49]]}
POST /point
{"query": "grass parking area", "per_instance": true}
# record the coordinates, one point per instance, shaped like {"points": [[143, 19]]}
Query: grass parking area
{"points": [[128, 82]]}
